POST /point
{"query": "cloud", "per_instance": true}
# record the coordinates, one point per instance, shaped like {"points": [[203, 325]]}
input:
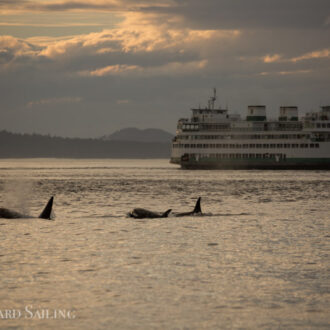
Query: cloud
{"points": [[54, 101], [28, 24], [318, 54], [84, 5], [272, 58], [16, 47], [132, 40], [111, 70], [285, 73], [207, 14], [173, 68], [256, 49], [123, 101]]}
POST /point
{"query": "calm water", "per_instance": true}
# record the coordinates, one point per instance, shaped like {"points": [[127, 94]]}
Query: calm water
{"points": [[258, 260]]}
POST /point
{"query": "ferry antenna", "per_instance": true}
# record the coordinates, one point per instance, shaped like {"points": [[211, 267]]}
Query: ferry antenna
{"points": [[213, 99]]}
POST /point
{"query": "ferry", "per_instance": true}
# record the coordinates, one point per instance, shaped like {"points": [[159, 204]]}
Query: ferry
{"points": [[215, 139]]}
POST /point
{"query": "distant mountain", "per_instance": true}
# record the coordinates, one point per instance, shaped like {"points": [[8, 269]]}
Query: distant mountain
{"points": [[14, 145], [139, 135]]}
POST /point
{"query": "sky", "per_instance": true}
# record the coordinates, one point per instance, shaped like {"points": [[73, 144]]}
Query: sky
{"points": [[86, 68]]}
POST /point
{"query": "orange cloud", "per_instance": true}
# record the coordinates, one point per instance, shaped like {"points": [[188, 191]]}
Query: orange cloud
{"points": [[324, 53], [16, 46], [111, 70], [171, 68], [284, 73], [137, 33], [271, 58]]}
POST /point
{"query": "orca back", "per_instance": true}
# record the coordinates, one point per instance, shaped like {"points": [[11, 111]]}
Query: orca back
{"points": [[9, 214], [47, 211]]}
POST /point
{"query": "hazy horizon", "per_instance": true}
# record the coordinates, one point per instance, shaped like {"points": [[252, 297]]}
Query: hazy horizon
{"points": [[86, 137], [89, 68]]}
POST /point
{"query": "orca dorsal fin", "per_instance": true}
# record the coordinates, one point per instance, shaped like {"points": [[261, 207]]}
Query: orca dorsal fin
{"points": [[166, 213], [197, 208], [46, 213]]}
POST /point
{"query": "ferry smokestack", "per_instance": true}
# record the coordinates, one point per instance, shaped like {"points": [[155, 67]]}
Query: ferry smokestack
{"points": [[256, 113], [288, 113]]}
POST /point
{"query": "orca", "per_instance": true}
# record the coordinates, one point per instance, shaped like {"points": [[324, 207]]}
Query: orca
{"points": [[139, 213], [45, 214], [196, 211]]}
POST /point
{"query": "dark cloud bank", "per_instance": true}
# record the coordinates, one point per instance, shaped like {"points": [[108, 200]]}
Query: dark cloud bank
{"points": [[150, 74]]}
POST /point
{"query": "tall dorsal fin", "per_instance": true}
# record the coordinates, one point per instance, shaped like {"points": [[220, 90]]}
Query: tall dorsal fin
{"points": [[197, 208], [46, 213], [166, 213]]}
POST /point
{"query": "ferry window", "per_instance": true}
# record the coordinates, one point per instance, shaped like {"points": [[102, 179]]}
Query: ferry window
{"points": [[259, 145], [318, 125], [252, 145], [328, 125], [266, 145], [258, 155], [245, 155], [245, 145], [324, 125], [286, 145], [302, 145], [317, 145], [280, 146], [238, 146], [312, 145]]}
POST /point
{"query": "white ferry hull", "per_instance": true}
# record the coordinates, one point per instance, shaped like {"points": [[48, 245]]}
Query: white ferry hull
{"points": [[244, 164]]}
